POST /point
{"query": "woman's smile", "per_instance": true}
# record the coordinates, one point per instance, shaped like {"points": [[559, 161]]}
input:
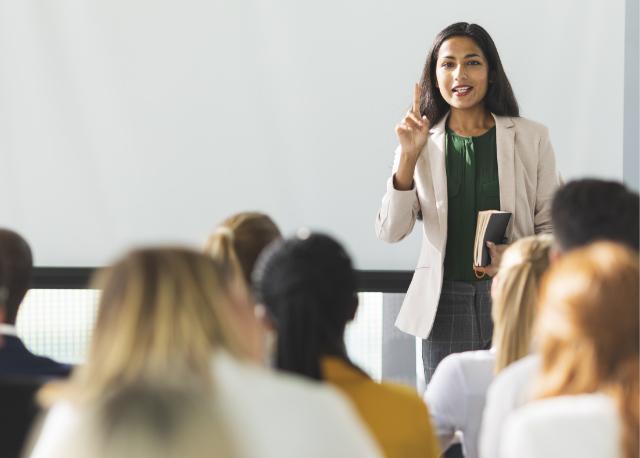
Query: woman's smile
{"points": [[462, 73], [462, 90]]}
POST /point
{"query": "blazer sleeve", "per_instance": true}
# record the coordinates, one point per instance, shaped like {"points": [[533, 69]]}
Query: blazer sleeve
{"points": [[548, 182], [398, 211]]}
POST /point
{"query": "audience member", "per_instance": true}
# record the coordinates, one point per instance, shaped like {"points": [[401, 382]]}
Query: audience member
{"points": [[167, 315], [308, 287], [16, 265], [152, 421], [582, 212], [587, 210], [588, 383], [236, 244], [238, 241], [456, 393]]}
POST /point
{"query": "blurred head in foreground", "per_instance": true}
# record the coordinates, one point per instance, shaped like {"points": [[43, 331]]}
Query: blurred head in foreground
{"points": [[588, 330], [514, 292], [308, 286], [236, 244], [238, 241], [588, 210], [16, 266], [162, 313]]}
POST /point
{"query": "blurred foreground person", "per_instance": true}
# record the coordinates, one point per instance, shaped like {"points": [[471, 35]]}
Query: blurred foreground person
{"points": [[456, 393], [168, 315], [152, 421], [308, 287], [587, 389], [16, 267], [582, 212], [236, 244]]}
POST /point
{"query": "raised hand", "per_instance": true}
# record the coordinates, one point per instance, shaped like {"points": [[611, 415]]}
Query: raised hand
{"points": [[413, 130], [412, 133]]}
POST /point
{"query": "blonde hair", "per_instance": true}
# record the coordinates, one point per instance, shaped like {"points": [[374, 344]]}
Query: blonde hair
{"points": [[152, 421], [161, 314], [513, 309], [238, 241], [588, 330]]}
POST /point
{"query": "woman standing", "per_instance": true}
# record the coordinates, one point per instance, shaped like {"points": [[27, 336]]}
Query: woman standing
{"points": [[463, 148]]}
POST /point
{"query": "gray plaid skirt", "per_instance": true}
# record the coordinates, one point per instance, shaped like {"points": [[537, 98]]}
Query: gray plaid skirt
{"points": [[463, 322]]}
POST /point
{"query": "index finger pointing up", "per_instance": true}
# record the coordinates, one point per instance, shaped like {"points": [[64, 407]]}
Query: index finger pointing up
{"points": [[417, 93]]}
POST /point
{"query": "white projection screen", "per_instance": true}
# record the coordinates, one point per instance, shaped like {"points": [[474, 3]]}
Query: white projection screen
{"points": [[147, 122]]}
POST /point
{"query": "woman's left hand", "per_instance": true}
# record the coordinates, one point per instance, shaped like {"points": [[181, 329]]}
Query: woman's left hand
{"points": [[495, 251]]}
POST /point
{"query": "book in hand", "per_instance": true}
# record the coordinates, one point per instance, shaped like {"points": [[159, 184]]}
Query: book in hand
{"points": [[491, 227]]}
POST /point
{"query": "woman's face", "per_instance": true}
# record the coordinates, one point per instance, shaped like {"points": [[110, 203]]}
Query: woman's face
{"points": [[462, 73]]}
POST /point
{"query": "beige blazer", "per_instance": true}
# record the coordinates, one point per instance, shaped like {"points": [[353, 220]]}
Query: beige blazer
{"points": [[528, 179]]}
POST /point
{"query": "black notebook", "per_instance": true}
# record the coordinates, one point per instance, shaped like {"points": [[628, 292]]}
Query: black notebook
{"points": [[491, 227]]}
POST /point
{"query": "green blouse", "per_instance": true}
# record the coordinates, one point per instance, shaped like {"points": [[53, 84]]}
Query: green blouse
{"points": [[472, 186]]}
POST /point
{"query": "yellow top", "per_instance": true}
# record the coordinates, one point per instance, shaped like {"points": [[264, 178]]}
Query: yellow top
{"points": [[395, 414]]}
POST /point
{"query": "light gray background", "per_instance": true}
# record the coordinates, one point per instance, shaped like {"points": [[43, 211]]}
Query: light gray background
{"points": [[139, 121]]}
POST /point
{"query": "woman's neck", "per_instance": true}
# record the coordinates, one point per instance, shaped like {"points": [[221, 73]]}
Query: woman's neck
{"points": [[470, 122]]}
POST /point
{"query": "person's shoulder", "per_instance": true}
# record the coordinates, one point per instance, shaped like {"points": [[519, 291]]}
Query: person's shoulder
{"points": [[471, 357], [270, 387], [526, 125], [569, 407], [466, 361], [402, 394], [588, 422], [272, 404], [63, 411], [238, 374], [516, 374], [511, 388], [49, 367], [17, 359], [58, 426]]}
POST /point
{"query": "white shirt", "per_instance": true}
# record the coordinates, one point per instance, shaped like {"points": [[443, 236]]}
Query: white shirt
{"points": [[271, 416], [582, 426], [456, 396], [510, 390]]}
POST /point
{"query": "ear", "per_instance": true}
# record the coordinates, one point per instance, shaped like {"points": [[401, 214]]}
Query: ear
{"points": [[3, 314]]}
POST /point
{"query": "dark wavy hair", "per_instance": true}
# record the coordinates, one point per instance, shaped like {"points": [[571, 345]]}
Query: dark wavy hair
{"points": [[309, 289], [499, 99]]}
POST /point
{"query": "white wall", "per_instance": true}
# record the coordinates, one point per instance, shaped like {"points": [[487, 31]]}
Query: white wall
{"points": [[139, 121]]}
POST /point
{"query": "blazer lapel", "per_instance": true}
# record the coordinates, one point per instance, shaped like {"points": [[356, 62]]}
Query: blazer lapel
{"points": [[505, 143], [436, 156]]}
